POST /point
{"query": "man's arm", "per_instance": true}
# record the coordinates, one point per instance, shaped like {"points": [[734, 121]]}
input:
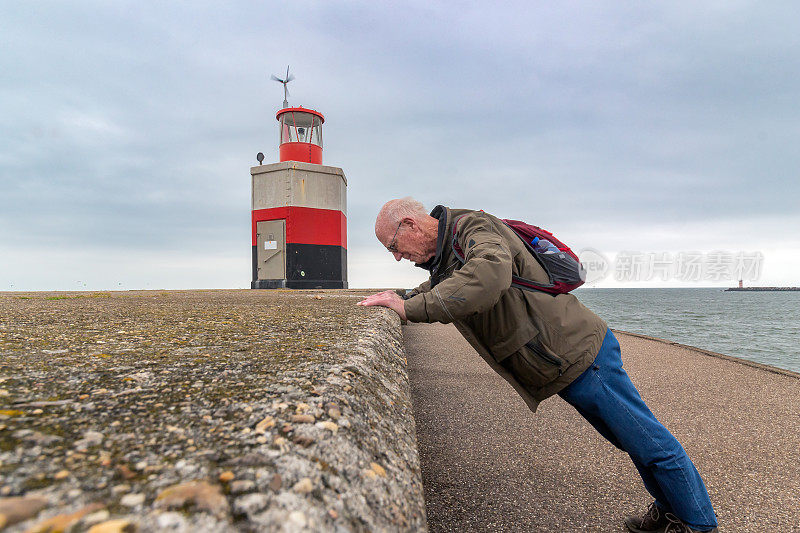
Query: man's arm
{"points": [[425, 286], [476, 286]]}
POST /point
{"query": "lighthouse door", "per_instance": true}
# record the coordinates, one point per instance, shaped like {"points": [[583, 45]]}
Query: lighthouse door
{"points": [[271, 240]]}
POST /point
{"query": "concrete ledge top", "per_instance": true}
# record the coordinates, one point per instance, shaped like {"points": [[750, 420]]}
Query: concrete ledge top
{"points": [[207, 410]]}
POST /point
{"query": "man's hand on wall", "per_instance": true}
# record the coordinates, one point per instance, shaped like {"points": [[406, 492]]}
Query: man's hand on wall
{"points": [[388, 299]]}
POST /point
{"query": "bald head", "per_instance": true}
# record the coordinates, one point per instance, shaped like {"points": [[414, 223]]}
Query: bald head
{"points": [[406, 229], [394, 211]]}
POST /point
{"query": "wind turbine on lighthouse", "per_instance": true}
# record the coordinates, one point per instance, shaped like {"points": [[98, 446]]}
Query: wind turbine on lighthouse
{"points": [[285, 81], [298, 208]]}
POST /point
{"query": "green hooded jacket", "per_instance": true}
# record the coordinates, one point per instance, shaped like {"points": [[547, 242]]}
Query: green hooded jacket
{"points": [[538, 342]]}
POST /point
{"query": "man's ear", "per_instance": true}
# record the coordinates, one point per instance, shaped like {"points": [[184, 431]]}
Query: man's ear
{"points": [[410, 222]]}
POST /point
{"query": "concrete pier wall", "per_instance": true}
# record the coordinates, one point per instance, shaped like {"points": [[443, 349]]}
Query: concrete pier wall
{"points": [[205, 411]]}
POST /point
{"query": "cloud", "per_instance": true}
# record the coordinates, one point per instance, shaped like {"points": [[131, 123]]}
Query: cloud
{"points": [[132, 126]]}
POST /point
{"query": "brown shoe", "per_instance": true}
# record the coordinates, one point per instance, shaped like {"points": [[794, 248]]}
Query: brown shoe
{"points": [[653, 521], [676, 525]]}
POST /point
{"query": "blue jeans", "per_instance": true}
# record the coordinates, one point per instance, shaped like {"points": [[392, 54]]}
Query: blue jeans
{"points": [[605, 396]]}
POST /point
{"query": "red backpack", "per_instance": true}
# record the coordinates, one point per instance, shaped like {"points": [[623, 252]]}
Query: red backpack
{"points": [[563, 268]]}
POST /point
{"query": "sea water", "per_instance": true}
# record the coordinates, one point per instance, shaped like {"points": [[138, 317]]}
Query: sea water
{"points": [[759, 326]]}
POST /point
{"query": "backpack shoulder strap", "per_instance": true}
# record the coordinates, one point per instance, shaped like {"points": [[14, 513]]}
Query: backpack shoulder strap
{"points": [[457, 251]]}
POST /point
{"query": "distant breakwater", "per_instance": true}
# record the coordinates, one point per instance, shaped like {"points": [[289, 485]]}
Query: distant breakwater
{"points": [[761, 289]]}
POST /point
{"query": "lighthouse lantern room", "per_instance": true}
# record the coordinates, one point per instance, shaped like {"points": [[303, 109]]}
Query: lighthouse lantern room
{"points": [[299, 209], [301, 135]]}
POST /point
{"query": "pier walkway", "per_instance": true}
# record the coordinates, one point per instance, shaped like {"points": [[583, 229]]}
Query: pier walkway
{"points": [[489, 464]]}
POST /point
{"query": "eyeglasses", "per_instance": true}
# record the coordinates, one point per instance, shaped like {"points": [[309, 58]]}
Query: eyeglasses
{"points": [[393, 245]]}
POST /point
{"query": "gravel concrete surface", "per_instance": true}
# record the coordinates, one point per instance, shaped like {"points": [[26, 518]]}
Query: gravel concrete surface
{"points": [[489, 464], [204, 411]]}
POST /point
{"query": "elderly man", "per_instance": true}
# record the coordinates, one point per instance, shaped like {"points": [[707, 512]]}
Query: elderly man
{"points": [[541, 344]]}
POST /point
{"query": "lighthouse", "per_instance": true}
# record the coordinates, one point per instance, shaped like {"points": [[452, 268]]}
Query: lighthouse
{"points": [[299, 209]]}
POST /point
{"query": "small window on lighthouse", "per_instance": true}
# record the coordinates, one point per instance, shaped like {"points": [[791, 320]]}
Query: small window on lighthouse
{"points": [[303, 122], [316, 136], [285, 129]]}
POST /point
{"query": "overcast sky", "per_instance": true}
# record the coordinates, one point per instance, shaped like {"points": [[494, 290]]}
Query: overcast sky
{"points": [[127, 129]]}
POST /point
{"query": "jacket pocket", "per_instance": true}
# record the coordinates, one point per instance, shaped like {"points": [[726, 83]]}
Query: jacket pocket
{"points": [[547, 356], [534, 366]]}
